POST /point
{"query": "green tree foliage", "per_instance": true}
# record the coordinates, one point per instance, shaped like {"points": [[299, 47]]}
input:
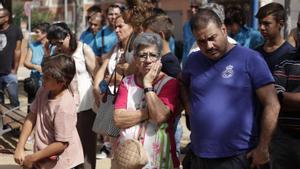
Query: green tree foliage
{"points": [[37, 16], [18, 13]]}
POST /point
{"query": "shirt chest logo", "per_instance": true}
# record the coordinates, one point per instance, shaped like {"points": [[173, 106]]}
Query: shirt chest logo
{"points": [[228, 72], [3, 41]]}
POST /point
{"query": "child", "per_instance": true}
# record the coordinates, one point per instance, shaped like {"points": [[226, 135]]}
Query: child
{"points": [[53, 116]]}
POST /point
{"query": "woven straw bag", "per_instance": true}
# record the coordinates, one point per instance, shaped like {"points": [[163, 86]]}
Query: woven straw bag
{"points": [[131, 154]]}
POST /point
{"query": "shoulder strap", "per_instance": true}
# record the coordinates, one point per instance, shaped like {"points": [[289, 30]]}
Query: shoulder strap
{"points": [[102, 40], [87, 68], [162, 82], [157, 87], [141, 132], [82, 47]]}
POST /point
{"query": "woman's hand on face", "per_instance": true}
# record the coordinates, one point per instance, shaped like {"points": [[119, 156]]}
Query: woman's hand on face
{"points": [[152, 74]]}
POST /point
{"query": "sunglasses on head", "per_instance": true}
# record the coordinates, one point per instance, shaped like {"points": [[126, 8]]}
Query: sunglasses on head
{"points": [[56, 42]]}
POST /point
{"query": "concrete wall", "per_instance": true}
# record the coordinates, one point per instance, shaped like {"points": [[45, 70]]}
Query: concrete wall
{"points": [[178, 12]]}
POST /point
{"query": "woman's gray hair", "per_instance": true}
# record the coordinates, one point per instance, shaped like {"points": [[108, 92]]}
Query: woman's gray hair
{"points": [[147, 39], [217, 8]]}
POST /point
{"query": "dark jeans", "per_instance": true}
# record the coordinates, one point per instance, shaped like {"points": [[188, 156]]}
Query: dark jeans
{"points": [[191, 161], [285, 150], [85, 120], [10, 83]]}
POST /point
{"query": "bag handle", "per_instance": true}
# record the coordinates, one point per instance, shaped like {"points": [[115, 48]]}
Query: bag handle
{"points": [[86, 65], [114, 74], [104, 98], [142, 129], [102, 38]]}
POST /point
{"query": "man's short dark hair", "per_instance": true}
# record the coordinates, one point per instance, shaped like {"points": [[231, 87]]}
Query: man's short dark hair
{"points": [[116, 5], [94, 9], [43, 27], [203, 17], [274, 9], [234, 15], [160, 23]]}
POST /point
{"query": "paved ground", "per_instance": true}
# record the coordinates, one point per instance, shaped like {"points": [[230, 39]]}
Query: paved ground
{"points": [[9, 141]]}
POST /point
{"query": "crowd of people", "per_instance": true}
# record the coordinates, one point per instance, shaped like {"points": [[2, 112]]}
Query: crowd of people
{"points": [[237, 86]]}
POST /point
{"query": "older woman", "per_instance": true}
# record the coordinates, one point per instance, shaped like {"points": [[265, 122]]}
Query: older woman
{"points": [[147, 99], [60, 36]]}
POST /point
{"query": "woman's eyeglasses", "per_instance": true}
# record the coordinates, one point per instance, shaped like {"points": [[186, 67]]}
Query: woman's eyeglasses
{"points": [[149, 55]]}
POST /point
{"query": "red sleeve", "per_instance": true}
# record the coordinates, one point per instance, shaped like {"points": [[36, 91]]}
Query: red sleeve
{"points": [[121, 101], [169, 94]]}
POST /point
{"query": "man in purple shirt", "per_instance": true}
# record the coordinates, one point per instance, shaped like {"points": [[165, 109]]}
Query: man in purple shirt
{"points": [[224, 83]]}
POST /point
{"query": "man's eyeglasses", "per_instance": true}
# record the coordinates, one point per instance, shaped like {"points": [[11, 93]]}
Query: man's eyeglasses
{"points": [[149, 55], [3, 16]]}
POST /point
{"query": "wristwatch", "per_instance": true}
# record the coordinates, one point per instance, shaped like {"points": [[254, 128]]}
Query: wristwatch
{"points": [[148, 89]]}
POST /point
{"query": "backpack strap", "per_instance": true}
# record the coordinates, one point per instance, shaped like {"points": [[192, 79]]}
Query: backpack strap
{"points": [[158, 86], [102, 41]]}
